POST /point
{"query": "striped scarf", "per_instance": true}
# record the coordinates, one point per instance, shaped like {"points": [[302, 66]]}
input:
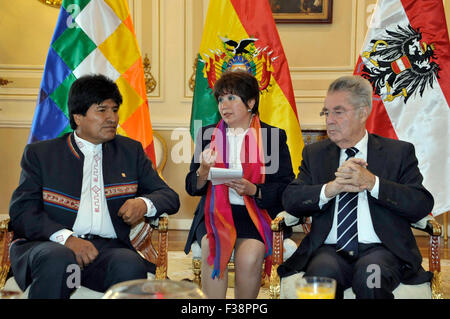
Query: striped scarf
{"points": [[220, 227]]}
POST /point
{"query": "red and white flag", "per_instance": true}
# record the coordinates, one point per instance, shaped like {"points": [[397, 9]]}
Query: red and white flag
{"points": [[406, 57]]}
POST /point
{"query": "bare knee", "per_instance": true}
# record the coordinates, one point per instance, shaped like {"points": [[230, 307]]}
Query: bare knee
{"points": [[248, 261], [213, 288], [249, 257]]}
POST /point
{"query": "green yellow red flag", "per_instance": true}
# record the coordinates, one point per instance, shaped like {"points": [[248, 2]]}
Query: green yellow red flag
{"points": [[241, 34]]}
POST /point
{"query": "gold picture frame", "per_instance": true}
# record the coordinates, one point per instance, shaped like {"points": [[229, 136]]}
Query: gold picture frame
{"points": [[52, 3], [302, 11]]}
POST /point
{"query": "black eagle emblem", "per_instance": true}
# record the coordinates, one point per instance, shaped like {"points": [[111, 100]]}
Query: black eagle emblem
{"points": [[401, 63], [238, 48]]}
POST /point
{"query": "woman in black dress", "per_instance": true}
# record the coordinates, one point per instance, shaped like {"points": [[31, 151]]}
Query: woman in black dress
{"points": [[238, 212]]}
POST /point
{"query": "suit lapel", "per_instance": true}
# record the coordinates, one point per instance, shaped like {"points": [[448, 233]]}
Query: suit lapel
{"points": [[330, 166], [376, 165], [375, 155], [75, 165], [332, 155]]}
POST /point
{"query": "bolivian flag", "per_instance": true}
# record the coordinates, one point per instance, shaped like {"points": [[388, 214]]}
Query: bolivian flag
{"points": [[241, 34], [93, 36]]}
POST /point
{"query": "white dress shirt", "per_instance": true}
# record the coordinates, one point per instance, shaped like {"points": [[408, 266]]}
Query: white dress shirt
{"points": [[366, 232], [93, 214], [235, 139]]}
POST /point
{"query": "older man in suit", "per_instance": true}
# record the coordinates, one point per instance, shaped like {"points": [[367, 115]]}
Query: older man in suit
{"points": [[362, 191], [78, 196]]}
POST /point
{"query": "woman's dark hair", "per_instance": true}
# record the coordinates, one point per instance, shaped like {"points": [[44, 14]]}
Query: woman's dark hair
{"points": [[240, 83], [88, 90]]}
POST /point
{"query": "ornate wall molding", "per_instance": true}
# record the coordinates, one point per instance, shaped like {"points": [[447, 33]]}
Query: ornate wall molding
{"points": [[150, 82], [52, 3], [4, 82], [154, 56]]}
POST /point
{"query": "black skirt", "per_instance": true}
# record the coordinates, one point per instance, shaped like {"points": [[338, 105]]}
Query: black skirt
{"points": [[245, 228]]}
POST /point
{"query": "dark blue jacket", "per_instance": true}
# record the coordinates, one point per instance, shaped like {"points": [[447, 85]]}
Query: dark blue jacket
{"points": [[48, 195]]}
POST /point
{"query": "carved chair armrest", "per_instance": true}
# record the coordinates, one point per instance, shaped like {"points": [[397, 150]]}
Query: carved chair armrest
{"points": [[434, 229], [5, 240], [4, 226], [278, 225], [143, 243], [163, 247], [429, 225], [434, 257]]}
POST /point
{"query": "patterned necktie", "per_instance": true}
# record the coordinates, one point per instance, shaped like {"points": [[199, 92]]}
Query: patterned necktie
{"points": [[347, 228]]}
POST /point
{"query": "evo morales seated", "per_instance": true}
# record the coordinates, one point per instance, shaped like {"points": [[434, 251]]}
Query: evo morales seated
{"points": [[79, 195]]}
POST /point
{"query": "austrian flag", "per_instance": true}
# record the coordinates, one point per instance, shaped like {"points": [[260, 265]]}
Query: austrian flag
{"points": [[406, 57]]}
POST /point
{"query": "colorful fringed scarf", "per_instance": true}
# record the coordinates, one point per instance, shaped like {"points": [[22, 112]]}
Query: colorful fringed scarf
{"points": [[220, 227]]}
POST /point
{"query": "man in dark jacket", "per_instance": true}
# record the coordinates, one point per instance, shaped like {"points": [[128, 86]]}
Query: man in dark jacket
{"points": [[78, 196], [362, 191]]}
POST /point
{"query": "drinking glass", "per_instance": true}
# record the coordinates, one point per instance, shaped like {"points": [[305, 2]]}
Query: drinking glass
{"points": [[312, 287], [154, 289]]}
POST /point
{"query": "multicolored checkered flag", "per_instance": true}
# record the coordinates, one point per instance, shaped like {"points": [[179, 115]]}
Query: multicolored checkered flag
{"points": [[93, 36]]}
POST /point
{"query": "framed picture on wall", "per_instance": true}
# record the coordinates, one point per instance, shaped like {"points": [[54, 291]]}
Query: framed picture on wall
{"points": [[302, 11]]}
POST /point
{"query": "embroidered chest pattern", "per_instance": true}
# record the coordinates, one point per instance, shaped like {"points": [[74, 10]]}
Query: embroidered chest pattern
{"points": [[120, 190], [60, 200]]}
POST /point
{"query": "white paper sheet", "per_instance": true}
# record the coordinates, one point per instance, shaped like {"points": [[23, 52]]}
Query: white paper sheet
{"points": [[222, 175]]}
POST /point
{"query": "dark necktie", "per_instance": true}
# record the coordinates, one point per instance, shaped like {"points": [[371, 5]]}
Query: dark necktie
{"points": [[347, 228]]}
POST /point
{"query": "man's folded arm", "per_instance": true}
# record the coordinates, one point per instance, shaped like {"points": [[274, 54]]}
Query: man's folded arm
{"points": [[407, 197]]}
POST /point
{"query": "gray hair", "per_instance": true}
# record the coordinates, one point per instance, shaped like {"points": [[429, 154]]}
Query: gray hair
{"points": [[359, 88]]}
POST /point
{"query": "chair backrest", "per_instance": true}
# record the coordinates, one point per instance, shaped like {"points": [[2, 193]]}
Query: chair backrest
{"points": [[160, 153], [5, 238]]}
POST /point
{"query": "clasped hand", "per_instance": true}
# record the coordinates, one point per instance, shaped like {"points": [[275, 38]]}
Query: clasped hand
{"points": [[351, 176]]}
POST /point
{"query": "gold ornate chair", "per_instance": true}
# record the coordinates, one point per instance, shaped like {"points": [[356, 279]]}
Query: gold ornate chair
{"points": [[197, 266], [286, 288], [149, 237], [160, 153]]}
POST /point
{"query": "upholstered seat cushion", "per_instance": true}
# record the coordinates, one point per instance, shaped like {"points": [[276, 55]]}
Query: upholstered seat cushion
{"points": [[422, 291], [196, 250]]}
